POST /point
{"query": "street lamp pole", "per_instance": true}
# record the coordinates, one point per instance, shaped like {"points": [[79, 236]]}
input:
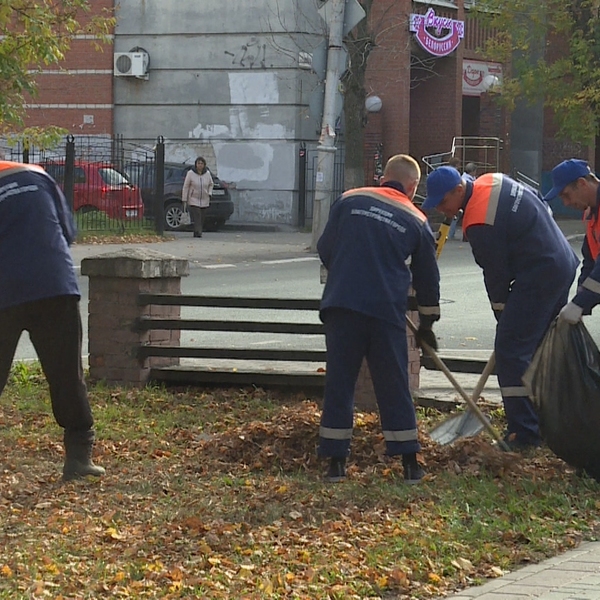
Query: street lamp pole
{"points": [[326, 148]]}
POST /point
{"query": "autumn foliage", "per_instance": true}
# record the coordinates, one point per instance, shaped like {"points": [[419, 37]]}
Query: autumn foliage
{"points": [[219, 494]]}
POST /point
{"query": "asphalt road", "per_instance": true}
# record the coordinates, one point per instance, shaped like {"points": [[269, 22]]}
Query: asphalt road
{"points": [[280, 264]]}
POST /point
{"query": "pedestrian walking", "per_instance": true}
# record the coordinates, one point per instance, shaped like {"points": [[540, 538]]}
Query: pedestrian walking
{"points": [[575, 184], [528, 267], [371, 234], [196, 194], [39, 294]]}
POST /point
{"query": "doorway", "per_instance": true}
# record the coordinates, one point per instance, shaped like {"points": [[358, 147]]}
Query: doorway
{"points": [[471, 107]]}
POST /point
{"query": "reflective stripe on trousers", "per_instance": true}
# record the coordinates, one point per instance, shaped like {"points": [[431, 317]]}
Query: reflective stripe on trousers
{"points": [[350, 337]]}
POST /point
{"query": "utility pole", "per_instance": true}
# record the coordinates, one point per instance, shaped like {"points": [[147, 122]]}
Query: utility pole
{"points": [[326, 148]]}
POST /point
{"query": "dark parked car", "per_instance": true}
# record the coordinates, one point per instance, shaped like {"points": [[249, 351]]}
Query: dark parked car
{"points": [[98, 186], [142, 175]]}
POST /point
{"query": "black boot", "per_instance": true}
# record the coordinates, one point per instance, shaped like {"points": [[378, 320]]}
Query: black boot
{"points": [[337, 469], [78, 450], [413, 472]]}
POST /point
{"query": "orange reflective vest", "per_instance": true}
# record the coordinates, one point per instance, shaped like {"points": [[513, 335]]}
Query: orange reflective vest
{"points": [[483, 204], [592, 235], [7, 165], [389, 196]]}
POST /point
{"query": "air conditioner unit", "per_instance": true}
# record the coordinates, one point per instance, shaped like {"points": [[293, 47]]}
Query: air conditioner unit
{"points": [[130, 64]]}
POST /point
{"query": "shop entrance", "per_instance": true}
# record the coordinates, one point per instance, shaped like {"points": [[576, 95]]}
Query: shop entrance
{"points": [[471, 108]]}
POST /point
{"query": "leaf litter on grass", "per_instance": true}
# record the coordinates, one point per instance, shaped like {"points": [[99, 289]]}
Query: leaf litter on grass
{"points": [[228, 502]]}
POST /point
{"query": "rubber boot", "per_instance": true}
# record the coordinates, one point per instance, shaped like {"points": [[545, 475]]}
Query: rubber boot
{"points": [[78, 450], [413, 472]]}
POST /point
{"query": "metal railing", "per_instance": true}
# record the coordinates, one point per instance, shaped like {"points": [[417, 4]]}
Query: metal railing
{"points": [[229, 363], [526, 180], [249, 365], [483, 151]]}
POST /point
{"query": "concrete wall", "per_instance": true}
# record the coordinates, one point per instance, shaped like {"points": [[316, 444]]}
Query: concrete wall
{"points": [[224, 82]]}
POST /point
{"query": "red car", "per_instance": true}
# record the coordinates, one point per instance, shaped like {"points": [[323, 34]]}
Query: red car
{"points": [[98, 186]]}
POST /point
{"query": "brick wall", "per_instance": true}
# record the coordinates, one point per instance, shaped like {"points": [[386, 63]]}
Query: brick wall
{"points": [[389, 72], [423, 120], [373, 137], [112, 336], [436, 109], [115, 282], [77, 94]]}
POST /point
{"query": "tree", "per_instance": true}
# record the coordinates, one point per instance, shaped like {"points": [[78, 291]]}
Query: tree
{"points": [[36, 34], [359, 42], [566, 76]]}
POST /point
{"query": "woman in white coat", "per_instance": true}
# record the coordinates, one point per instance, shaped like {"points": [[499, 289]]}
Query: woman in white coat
{"points": [[197, 190]]}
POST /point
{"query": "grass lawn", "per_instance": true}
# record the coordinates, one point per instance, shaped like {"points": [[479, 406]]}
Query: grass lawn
{"points": [[217, 493]]}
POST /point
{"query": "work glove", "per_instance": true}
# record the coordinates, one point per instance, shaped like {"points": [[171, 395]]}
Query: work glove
{"points": [[427, 321], [571, 313], [587, 311], [426, 335]]}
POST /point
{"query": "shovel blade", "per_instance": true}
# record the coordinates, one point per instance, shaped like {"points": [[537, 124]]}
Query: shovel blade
{"points": [[464, 425]]}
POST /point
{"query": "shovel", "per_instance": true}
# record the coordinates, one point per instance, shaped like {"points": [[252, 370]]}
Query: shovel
{"points": [[470, 402], [466, 424]]}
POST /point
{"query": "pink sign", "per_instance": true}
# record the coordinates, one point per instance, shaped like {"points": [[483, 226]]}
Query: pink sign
{"points": [[440, 44]]}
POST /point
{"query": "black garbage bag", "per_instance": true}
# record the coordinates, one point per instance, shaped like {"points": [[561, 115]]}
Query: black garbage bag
{"points": [[563, 381]]}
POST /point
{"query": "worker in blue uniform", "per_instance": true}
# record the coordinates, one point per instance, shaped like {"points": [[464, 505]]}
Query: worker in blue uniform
{"points": [[39, 294], [528, 268], [372, 235], [579, 188]]}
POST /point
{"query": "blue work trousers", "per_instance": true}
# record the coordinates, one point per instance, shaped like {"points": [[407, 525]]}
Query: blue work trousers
{"points": [[350, 337], [54, 326], [521, 327]]}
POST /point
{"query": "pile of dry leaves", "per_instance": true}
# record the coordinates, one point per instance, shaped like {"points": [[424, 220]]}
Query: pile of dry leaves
{"points": [[289, 441]]}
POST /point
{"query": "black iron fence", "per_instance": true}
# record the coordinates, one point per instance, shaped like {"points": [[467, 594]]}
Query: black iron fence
{"points": [[307, 174], [307, 177], [117, 185], [95, 173]]}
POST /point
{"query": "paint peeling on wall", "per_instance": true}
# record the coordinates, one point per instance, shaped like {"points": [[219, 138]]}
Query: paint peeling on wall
{"points": [[239, 127], [187, 153], [242, 161], [253, 88]]}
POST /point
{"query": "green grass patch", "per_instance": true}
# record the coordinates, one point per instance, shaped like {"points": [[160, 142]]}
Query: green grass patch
{"points": [[217, 493]]}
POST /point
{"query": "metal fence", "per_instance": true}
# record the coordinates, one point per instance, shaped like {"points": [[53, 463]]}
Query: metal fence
{"points": [[93, 173], [484, 152], [308, 160]]}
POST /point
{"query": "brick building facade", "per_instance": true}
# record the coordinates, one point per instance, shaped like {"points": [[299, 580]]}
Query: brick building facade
{"points": [[78, 93], [422, 99], [424, 104]]}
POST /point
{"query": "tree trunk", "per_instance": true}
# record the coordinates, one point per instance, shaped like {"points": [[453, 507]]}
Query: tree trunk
{"points": [[359, 43], [354, 168]]}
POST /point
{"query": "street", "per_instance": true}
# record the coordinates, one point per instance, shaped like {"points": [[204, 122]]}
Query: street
{"points": [[289, 270]]}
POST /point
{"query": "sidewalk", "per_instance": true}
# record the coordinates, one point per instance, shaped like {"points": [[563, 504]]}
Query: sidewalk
{"points": [[214, 247], [574, 575], [248, 243]]}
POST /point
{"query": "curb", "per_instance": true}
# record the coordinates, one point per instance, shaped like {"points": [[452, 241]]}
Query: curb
{"points": [[260, 227]]}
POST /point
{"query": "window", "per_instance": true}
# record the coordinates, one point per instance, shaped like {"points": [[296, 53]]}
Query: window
{"points": [[110, 176]]}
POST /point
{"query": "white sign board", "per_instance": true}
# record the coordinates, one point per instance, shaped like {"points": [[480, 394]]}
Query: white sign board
{"points": [[478, 77]]}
